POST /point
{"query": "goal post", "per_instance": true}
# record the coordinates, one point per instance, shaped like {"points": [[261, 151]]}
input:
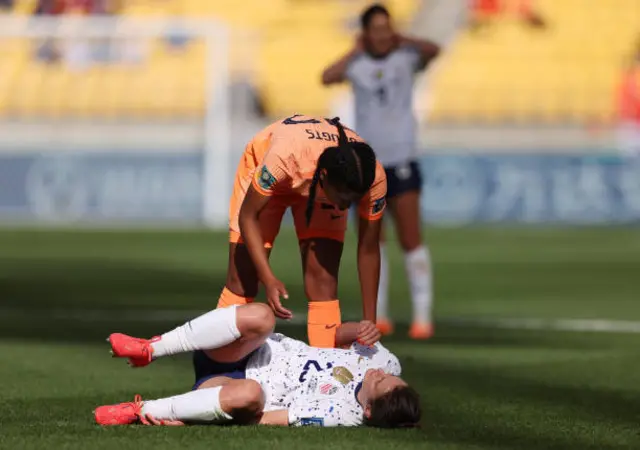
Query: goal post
{"points": [[217, 176], [125, 118]]}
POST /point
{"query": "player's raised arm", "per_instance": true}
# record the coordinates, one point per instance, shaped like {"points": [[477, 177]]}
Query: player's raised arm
{"points": [[370, 213], [426, 50], [337, 72]]}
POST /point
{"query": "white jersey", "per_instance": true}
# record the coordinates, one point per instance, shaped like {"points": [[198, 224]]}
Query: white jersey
{"points": [[383, 94], [317, 386]]}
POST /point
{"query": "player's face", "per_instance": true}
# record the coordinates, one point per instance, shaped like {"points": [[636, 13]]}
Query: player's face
{"points": [[339, 195], [380, 35], [377, 382]]}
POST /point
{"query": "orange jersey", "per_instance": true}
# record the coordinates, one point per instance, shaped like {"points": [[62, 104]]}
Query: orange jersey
{"points": [[280, 162], [290, 155]]}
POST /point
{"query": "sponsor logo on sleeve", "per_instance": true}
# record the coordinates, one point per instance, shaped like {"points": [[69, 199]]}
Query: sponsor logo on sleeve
{"points": [[266, 180], [378, 205]]}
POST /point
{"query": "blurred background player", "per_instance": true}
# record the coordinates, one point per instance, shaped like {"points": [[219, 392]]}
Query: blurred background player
{"points": [[381, 69], [312, 166], [486, 12], [628, 133]]}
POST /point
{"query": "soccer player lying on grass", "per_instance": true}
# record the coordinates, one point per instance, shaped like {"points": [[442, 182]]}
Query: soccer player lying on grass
{"points": [[246, 374]]}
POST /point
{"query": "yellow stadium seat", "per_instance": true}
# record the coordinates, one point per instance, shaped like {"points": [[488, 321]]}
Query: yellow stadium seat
{"points": [[567, 72], [296, 40], [24, 7]]}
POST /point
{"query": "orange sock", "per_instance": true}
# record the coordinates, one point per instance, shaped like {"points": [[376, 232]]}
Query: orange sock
{"points": [[322, 323], [228, 298]]}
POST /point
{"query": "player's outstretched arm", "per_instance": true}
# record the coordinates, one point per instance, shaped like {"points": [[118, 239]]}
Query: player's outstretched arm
{"points": [[369, 265], [316, 413], [253, 203], [370, 211], [275, 418], [251, 207]]}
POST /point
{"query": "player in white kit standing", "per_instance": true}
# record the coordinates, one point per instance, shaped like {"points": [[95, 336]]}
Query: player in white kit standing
{"points": [[246, 374], [381, 69]]}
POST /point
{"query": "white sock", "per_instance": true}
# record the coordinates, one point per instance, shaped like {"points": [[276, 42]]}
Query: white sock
{"points": [[214, 329], [383, 286], [418, 267], [202, 406]]}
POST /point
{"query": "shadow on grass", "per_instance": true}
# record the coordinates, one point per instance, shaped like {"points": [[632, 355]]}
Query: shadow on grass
{"points": [[104, 284]]}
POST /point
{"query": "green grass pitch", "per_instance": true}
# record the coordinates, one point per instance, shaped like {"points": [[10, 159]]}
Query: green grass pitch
{"points": [[63, 292]]}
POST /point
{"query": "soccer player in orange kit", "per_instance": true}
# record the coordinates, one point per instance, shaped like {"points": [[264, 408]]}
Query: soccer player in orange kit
{"points": [[318, 168]]}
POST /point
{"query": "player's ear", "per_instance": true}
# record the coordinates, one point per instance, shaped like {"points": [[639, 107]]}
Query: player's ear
{"points": [[367, 411]]}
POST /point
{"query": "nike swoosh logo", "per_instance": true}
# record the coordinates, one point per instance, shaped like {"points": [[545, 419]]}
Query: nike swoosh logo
{"points": [[328, 327], [336, 216]]}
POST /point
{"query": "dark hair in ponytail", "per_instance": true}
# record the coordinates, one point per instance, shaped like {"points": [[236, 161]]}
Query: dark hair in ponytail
{"points": [[350, 164]]}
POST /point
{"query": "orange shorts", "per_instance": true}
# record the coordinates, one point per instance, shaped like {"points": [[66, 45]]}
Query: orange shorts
{"points": [[326, 222]]}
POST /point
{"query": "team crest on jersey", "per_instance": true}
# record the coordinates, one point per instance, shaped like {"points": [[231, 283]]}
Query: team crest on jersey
{"points": [[379, 74], [379, 205], [342, 374], [266, 179], [328, 389]]}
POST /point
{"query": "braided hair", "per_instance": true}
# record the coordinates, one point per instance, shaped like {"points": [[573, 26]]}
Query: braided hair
{"points": [[350, 165]]}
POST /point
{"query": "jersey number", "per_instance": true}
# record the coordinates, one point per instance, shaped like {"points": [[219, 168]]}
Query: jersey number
{"points": [[381, 92], [292, 120], [307, 366]]}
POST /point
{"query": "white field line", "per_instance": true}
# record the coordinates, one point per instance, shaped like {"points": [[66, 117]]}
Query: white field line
{"points": [[177, 316], [528, 323]]}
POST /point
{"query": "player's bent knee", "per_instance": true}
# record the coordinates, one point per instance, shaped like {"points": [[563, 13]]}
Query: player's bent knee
{"points": [[243, 400], [256, 319], [264, 318], [252, 398]]}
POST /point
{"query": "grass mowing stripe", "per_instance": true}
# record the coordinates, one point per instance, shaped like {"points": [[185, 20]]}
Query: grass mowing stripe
{"points": [[177, 315]]}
